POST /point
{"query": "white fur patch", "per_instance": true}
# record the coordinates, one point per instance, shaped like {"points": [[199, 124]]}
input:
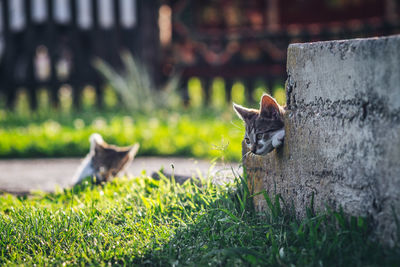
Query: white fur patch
{"points": [[95, 139], [84, 170], [277, 138]]}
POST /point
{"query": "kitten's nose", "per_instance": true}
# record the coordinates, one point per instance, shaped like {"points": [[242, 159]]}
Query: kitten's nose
{"points": [[253, 148]]}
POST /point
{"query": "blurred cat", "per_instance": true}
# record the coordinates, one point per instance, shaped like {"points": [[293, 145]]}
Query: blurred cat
{"points": [[104, 161], [264, 127]]}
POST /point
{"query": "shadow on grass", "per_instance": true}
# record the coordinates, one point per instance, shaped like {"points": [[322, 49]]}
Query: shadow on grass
{"points": [[231, 233], [143, 221]]}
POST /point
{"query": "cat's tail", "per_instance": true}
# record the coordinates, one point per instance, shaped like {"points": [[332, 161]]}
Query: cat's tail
{"points": [[94, 139]]}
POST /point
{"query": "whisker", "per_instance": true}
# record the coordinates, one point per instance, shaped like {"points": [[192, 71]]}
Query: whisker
{"points": [[245, 155], [236, 125]]}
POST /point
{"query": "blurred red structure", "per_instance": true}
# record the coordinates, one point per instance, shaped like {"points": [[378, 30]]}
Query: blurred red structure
{"points": [[247, 40]]}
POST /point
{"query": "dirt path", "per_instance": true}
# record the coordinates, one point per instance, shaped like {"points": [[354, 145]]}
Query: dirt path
{"points": [[22, 176]]}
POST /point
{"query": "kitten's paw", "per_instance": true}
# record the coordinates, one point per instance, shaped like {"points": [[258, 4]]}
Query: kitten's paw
{"points": [[277, 139]]}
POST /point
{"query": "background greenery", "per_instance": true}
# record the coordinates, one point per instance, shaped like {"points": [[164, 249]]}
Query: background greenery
{"points": [[157, 119], [173, 133]]}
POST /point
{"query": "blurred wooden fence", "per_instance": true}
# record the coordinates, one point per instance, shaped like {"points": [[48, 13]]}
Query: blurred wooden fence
{"points": [[48, 43]]}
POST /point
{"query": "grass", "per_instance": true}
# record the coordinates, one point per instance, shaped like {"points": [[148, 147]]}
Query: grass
{"points": [[135, 87], [199, 134], [160, 223]]}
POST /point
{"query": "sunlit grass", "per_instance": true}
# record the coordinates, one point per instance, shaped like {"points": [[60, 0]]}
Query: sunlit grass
{"points": [[196, 93], [279, 94], [122, 222], [143, 221], [238, 93], [169, 134], [218, 92]]}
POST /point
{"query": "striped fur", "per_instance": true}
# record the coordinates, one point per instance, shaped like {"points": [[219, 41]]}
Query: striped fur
{"points": [[264, 127]]}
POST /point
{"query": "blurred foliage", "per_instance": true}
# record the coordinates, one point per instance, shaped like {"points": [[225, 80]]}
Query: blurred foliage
{"points": [[154, 118], [205, 135], [135, 87]]}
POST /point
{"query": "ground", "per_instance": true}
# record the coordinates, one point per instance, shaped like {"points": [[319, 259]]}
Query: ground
{"points": [[21, 176]]}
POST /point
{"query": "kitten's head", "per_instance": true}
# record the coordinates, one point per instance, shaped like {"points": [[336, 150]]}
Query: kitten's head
{"points": [[264, 127], [109, 160]]}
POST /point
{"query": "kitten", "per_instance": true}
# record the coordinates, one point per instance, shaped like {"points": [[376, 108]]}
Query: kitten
{"points": [[104, 161], [264, 127]]}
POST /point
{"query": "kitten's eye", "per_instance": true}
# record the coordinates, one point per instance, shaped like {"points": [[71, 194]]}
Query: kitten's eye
{"points": [[259, 136], [247, 140]]}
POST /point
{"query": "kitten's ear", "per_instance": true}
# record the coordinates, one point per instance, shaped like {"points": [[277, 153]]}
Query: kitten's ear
{"points": [[95, 141], [244, 113], [98, 149], [133, 150], [269, 108]]}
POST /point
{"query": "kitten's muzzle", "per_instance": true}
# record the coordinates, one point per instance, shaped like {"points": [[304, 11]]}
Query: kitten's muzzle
{"points": [[267, 150], [264, 150]]}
